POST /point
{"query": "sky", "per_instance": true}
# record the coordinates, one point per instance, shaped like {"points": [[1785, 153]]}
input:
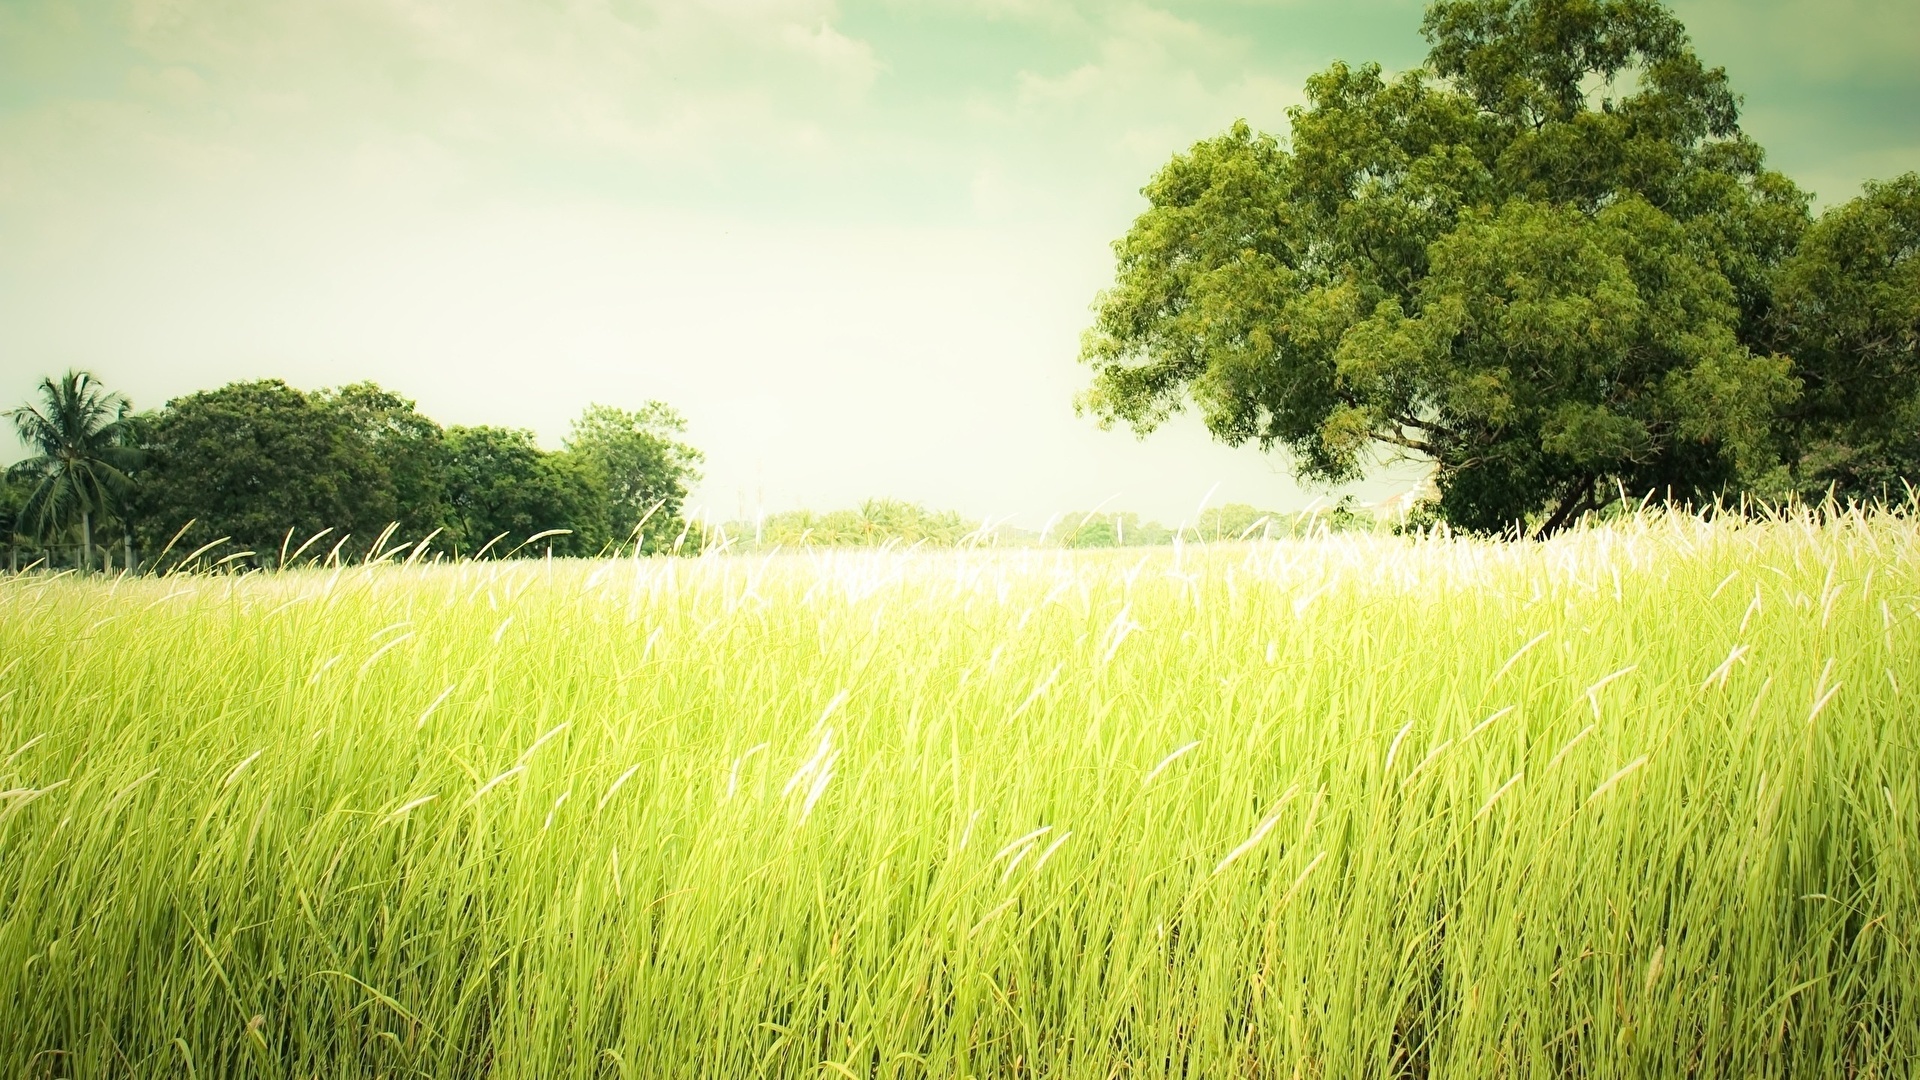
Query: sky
{"points": [[855, 242]]}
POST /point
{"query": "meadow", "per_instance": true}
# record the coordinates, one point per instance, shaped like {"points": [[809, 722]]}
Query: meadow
{"points": [[1638, 801]]}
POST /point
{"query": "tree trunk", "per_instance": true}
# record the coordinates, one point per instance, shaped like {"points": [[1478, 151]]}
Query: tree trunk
{"points": [[86, 541], [127, 550], [1571, 507]]}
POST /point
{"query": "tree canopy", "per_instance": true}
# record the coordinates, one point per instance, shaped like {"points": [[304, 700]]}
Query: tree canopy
{"points": [[82, 443], [643, 466], [503, 489], [409, 482], [1547, 262], [1848, 308], [258, 462]]}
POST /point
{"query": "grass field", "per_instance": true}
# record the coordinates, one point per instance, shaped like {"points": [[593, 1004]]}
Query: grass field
{"points": [[1639, 801]]}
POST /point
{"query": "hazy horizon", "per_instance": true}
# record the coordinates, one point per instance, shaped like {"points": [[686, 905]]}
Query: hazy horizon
{"points": [[854, 243]]}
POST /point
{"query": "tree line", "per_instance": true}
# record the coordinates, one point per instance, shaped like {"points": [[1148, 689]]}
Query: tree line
{"points": [[893, 523], [1549, 263], [277, 475]]}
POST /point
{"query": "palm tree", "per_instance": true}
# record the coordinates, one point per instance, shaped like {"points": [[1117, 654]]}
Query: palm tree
{"points": [[85, 442]]}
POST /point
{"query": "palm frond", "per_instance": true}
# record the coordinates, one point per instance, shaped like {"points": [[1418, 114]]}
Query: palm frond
{"points": [[123, 459], [86, 440], [29, 469], [35, 429]]}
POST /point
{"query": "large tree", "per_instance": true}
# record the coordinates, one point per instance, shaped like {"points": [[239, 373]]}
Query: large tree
{"points": [[503, 489], [255, 461], [82, 442], [267, 464], [1542, 263], [644, 466]]}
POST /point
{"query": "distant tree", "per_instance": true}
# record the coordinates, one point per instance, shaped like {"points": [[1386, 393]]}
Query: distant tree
{"points": [[1097, 533], [12, 498], [1848, 310], [1543, 263], [253, 460], [501, 484], [408, 452], [1130, 530], [881, 520], [1237, 521], [645, 468], [256, 460], [875, 523], [82, 442], [1104, 528]]}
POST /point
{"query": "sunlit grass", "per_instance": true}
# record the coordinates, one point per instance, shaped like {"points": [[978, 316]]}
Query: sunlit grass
{"points": [[1636, 802]]}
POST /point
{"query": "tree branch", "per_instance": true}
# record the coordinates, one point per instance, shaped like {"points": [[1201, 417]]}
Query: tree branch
{"points": [[1403, 442]]}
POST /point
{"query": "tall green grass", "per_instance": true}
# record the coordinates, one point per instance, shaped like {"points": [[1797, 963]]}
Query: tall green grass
{"points": [[1639, 801]]}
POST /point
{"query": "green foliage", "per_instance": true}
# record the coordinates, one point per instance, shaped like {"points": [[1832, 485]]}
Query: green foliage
{"points": [[1103, 528], [12, 497], [1236, 521], [646, 470], [877, 523], [502, 489], [892, 523], [1367, 808], [1582, 349], [408, 449], [1099, 528], [1543, 263], [1095, 534], [81, 449], [258, 462], [1229, 523], [1849, 311], [1131, 530], [12, 533], [269, 466]]}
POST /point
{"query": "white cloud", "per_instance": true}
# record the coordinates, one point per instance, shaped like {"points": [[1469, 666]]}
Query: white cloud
{"points": [[658, 82], [1149, 84]]}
